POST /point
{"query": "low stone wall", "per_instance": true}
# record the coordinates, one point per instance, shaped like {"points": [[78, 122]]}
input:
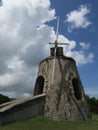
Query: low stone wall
{"points": [[23, 109]]}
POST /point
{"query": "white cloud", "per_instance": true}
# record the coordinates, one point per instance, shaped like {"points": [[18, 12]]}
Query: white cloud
{"points": [[22, 43], [92, 91], [85, 46], [78, 18], [24, 38], [82, 55], [11, 79]]}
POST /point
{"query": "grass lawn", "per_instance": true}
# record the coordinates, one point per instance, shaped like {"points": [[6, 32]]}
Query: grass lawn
{"points": [[41, 123]]}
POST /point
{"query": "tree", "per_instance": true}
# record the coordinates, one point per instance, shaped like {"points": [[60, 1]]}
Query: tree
{"points": [[4, 99], [93, 103]]}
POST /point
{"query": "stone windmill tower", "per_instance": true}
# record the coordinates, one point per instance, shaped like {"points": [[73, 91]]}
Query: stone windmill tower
{"points": [[59, 79]]}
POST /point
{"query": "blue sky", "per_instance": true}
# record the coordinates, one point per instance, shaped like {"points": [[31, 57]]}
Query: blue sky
{"points": [[89, 71], [26, 28]]}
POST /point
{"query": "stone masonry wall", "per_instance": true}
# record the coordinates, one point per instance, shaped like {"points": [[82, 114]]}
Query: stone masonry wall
{"points": [[62, 101], [23, 109]]}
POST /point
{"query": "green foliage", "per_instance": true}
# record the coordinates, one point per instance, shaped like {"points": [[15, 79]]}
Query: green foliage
{"points": [[4, 99], [93, 104], [42, 123]]}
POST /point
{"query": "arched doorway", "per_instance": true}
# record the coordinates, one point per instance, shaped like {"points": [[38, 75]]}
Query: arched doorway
{"points": [[77, 89], [39, 85]]}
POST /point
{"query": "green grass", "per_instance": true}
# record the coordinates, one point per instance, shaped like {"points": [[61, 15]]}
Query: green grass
{"points": [[42, 123]]}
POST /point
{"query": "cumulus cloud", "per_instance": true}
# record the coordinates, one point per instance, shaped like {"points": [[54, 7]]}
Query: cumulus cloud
{"points": [[78, 18], [23, 42], [24, 37], [82, 55]]}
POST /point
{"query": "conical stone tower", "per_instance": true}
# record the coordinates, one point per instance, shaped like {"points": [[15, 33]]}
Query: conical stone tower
{"points": [[59, 79]]}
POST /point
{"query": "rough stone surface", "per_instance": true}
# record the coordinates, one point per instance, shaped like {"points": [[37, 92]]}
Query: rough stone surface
{"points": [[22, 109], [59, 97], [65, 95]]}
